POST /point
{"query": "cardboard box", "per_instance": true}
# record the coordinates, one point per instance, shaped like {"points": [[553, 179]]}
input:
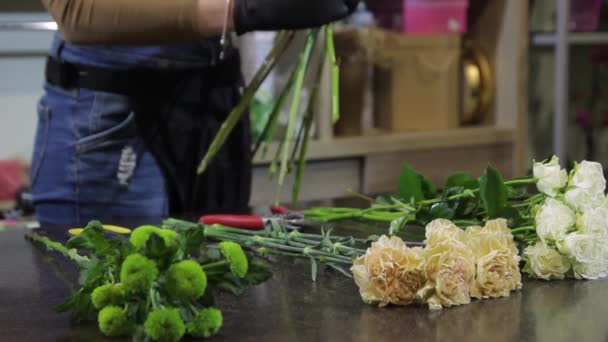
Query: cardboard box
{"points": [[416, 81]]}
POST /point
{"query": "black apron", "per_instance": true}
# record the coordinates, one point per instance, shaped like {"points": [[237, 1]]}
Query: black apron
{"points": [[178, 113]]}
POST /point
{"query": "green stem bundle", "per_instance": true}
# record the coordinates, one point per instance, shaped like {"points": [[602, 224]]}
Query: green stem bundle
{"points": [[234, 117]]}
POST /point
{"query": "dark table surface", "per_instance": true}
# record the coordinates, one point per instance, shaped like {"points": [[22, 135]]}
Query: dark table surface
{"points": [[290, 307]]}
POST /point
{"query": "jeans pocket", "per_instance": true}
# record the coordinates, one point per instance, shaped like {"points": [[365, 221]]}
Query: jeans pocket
{"points": [[103, 119], [41, 140]]}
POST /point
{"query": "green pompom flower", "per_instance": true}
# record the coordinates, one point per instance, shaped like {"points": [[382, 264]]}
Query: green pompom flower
{"points": [[186, 280], [137, 273], [139, 237], [169, 236], [108, 294], [239, 265], [206, 324], [113, 322], [165, 325]]}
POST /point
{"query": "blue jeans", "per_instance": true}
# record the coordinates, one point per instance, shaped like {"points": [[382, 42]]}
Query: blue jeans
{"points": [[88, 161]]}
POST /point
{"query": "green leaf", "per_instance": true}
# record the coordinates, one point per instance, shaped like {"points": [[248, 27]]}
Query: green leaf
{"points": [[372, 238], [442, 210], [257, 274], [493, 192], [155, 247], [472, 184], [513, 216], [231, 287], [340, 269], [457, 180], [429, 189], [92, 239], [410, 184], [515, 192], [313, 269], [397, 224]]}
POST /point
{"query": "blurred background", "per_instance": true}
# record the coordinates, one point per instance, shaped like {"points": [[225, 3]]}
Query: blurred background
{"points": [[445, 85]]}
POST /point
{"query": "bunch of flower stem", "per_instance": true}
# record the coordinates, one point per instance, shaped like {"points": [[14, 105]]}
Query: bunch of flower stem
{"points": [[71, 254], [286, 156], [390, 212], [280, 46], [321, 247]]}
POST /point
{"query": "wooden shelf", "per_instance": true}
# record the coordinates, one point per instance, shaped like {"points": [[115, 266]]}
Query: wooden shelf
{"points": [[349, 147], [576, 38]]}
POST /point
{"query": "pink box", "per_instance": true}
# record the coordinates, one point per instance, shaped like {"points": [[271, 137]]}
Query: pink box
{"points": [[585, 15], [388, 13], [435, 17], [11, 172]]}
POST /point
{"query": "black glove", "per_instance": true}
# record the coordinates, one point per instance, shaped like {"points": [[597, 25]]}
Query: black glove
{"points": [[274, 15]]}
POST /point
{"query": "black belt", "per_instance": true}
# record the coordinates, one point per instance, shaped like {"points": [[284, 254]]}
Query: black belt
{"points": [[136, 81]]}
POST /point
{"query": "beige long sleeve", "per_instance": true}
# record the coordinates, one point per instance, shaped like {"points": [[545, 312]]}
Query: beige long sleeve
{"points": [[132, 22]]}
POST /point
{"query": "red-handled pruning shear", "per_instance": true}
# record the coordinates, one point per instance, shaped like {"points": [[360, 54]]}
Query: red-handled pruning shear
{"points": [[292, 220]]}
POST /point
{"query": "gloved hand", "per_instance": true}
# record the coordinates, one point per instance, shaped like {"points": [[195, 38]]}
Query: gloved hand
{"points": [[274, 15]]}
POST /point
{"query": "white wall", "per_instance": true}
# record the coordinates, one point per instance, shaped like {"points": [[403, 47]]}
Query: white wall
{"points": [[22, 55]]}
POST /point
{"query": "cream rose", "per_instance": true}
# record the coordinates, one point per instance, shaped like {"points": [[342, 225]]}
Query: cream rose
{"points": [[582, 200], [586, 248], [441, 230], [591, 271], [588, 176], [593, 221], [551, 178], [553, 220], [449, 269], [389, 272], [545, 262]]}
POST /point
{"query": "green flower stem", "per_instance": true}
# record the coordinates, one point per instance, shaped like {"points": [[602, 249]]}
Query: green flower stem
{"points": [[215, 264], [307, 125], [269, 243], [523, 229], [521, 181], [58, 247], [234, 117], [462, 223], [152, 297], [235, 230], [451, 198], [295, 106], [267, 133], [347, 249], [359, 195], [335, 73], [304, 251]]}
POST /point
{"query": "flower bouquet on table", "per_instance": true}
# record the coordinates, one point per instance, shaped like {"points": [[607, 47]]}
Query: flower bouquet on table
{"points": [[570, 225], [561, 226], [454, 266], [156, 285]]}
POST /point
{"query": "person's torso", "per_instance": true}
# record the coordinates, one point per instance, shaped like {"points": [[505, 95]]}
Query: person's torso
{"points": [[198, 54]]}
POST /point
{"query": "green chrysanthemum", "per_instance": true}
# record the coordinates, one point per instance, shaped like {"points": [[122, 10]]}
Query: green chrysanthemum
{"points": [[165, 325], [113, 322], [239, 265], [186, 280], [206, 324], [139, 237], [169, 236], [137, 273], [108, 294]]}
